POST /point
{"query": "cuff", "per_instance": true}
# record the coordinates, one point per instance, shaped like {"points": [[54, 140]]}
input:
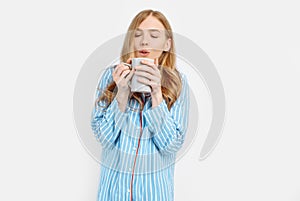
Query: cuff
{"points": [[155, 116]]}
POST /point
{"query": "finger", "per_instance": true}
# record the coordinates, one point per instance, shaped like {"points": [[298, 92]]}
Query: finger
{"points": [[129, 76], [128, 65], [124, 73], [129, 60], [125, 67], [146, 69], [152, 65], [120, 68], [117, 70], [146, 75], [145, 81]]}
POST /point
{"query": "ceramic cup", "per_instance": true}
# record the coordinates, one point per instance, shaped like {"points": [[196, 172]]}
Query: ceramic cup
{"points": [[134, 84]]}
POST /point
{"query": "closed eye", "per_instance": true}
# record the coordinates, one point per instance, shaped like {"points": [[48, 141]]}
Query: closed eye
{"points": [[137, 33]]}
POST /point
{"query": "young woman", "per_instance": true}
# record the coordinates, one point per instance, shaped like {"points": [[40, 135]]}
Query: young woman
{"points": [[141, 133]]}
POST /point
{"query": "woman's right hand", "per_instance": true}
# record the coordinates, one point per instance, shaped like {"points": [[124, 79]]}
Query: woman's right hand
{"points": [[122, 75]]}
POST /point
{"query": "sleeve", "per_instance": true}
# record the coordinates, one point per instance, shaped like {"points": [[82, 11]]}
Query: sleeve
{"points": [[107, 121], [168, 128]]}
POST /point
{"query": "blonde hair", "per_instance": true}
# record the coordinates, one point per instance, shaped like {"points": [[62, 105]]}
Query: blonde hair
{"points": [[170, 77]]}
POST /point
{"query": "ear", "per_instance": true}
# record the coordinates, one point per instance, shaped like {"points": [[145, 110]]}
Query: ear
{"points": [[167, 45]]}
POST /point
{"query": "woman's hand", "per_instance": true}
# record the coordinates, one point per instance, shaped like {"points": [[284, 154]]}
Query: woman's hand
{"points": [[122, 75], [152, 77]]}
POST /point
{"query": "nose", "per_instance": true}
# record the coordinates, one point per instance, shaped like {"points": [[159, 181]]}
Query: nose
{"points": [[144, 40]]}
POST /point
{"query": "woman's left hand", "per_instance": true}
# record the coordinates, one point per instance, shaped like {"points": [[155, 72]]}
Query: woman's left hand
{"points": [[152, 77]]}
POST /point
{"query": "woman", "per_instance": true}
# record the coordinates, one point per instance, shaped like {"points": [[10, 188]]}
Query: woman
{"points": [[140, 133]]}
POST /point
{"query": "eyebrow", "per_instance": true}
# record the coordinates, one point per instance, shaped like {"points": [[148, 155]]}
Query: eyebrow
{"points": [[148, 29]]}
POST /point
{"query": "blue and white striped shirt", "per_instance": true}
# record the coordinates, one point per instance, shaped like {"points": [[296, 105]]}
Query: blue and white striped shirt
{"points": [[118, 132]]}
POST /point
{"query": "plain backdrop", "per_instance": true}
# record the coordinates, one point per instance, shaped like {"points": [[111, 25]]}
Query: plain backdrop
{"points": [[254, 45]]}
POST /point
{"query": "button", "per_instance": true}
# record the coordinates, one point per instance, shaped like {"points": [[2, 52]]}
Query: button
{"points": [[128, 190], [129, 169], [134, 148]]}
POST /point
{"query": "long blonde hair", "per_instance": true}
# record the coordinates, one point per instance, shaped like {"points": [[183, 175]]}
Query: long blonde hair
{"points": [[170, 77]]}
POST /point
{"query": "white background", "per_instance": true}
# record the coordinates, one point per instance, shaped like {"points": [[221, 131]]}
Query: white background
{"points": [[254, 45]]}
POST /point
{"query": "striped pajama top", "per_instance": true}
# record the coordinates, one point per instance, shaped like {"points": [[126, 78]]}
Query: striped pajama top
{"points": [[163, 133]]}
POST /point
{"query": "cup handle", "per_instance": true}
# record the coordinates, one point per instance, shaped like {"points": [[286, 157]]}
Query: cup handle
{"points": [[129, 65]]}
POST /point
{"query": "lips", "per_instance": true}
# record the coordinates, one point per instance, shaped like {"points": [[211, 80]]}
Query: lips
{"points": [[144, 52]]}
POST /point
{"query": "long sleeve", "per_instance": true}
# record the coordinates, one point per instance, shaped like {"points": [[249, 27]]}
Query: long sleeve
{"points": [[107, 122], [168, 128]]}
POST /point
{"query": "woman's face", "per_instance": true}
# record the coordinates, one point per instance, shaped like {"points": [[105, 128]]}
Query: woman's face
{"points": [[150, 39]]}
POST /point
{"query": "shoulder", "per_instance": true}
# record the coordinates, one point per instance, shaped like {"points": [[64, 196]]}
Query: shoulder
{"points": [[108, 70], [106, 75], [184, 92], [185, 89], [183, 78]]}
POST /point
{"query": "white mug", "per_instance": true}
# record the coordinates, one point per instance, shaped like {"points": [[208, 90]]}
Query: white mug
{"points": [[134, 84]]}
